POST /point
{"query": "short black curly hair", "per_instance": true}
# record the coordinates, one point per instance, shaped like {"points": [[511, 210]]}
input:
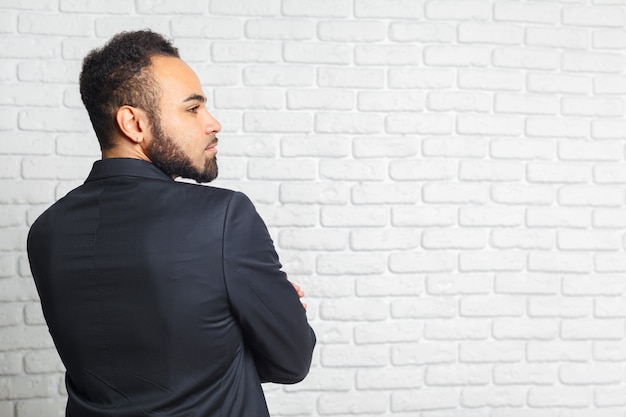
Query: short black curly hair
{"points": [[117, 74]]}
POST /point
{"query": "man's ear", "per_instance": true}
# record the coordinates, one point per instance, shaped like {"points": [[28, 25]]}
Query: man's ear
{"points": [[133, 123]]}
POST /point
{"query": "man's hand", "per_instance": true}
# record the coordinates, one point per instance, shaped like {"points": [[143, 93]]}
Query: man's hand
{"points": [[299, 291]]}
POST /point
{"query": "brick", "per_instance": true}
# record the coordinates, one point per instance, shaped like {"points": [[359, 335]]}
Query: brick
{"points": [[609, 307], [278, 76], [382, 193], [589, 240], [351, 31], [271, 169], [258, 146], [566, 38], [487, 79], [273, 122], [559, 397], [592, 62], [481, 306], [421, 78], [558, 83], [383, 239], [357, 403], [320, 99], [592, 329], [466, 283], [29, 5], [491, 261], [527, 374], [248, 98], [490, 33], [559, 262], [469, 193], [411, 262], [217, 75], [425, 124], [10, 364], [350, 77], [609, 174], [390, 147], [594, 16], [390, 378], [8, 266], [249, 52], [522, 239], [490, 216], [313, 239], [516, 103], [557, 128], [107, 27], [423, 353], [464, 147], [593, 285], [24, 337], [333, 332], [404, 9], [558, 351], [280, 404], [454, 239], [527, 12], [609, 397], [609, 218], [48, 24], [424, 399], [350, 264], [353, 123], [327, 193], [12, 314], [587, 106], [17, 387], [365, 216], [458, 375], [391, 101], [397, 331], [33, 314], [321, 8], [42, 362], [526, 58], [557, 217], [27, 94], [30, 47], [609, 84], [559, 307], [318, 53], [49, 71], [609, 350], [95, 6], [529, 149], [489, 125], [457, 56], [423, 216], [389, 285], [490, 352], [525, 329], [458, 10], [171, 6], [607, 129], [245, 7], [459, 329], [490, 171], [289, 215], [325, 380], [474, 397], [355, 356], [516, 283], [269, 29], [432, 307], [421, 32], [26, 192], [410, 169], [58, 168], [354, 310], [594, 196], [522, 194], [388, 55], [609, 39], [462, 102], [609, 263], [548, 172]]}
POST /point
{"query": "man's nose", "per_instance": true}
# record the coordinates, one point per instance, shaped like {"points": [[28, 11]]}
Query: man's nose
{"points": [[212, 125]]}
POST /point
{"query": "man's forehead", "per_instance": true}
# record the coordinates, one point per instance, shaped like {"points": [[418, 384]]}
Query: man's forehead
{"points": [[176, 77]]}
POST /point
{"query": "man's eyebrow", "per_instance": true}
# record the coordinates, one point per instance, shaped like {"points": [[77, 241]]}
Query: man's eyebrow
{"points": [[195, 97]]}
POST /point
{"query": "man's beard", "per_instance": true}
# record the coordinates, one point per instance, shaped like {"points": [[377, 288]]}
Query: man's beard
{"points": [[171, 159]]}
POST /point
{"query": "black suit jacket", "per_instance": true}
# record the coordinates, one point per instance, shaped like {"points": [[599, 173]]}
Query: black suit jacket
{"points": [[165, 298]]}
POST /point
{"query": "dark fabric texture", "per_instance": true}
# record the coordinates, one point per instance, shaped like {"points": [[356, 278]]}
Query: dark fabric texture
{"points": [[165, 298]]}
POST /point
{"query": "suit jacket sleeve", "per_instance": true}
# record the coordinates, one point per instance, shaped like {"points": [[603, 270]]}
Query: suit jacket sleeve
{"points": [[266, 305]]}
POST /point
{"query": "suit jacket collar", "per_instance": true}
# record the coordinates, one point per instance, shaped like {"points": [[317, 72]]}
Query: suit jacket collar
{"points": [[114, 167]]}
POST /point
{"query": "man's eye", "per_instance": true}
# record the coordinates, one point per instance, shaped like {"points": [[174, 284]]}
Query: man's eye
{"points": [[193, 109]]}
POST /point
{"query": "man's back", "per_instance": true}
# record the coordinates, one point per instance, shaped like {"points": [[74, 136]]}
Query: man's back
{"points": [[165, 298]]}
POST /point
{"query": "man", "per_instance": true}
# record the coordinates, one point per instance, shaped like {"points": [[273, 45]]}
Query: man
{"points": [[163, 298]]}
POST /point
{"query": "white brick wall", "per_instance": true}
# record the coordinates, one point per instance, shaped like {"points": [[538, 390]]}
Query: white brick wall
{"points": [[445, 178]]}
